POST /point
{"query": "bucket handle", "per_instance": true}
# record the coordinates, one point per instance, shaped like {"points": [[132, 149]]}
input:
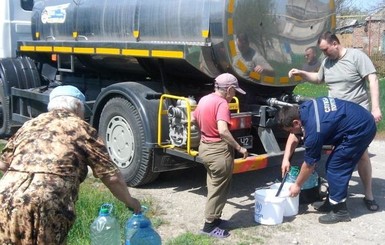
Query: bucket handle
{"points": [[281, 185]]}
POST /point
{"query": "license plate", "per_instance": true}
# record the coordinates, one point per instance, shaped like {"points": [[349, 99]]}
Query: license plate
{"points": [[246, 141]]}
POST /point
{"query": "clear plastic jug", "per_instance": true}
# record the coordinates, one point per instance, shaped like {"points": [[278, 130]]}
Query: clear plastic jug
{"points": [[105, 228]]}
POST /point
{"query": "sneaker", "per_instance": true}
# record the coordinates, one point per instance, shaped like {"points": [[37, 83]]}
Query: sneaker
{"points": [[216, 232]]}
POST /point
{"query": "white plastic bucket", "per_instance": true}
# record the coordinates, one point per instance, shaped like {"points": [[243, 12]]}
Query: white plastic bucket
{"points": [[291, 203], [268, 207]]}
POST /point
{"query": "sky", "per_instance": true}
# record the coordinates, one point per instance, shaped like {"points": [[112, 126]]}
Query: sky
{"points": [[367, 5]]}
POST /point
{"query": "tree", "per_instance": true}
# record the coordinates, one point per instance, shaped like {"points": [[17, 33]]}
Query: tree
{"points": [[349, 7]]}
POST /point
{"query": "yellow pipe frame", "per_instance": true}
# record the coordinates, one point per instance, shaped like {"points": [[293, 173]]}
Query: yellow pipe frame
{"points": [[164, 112], [161, 112]]}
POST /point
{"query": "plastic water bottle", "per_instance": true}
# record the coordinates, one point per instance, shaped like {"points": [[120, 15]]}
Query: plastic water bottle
{"points": [[105, 228], [293, 173], [139, 231], [311, 182]]}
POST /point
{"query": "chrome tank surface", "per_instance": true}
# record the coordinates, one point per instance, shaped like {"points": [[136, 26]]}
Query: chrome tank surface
{"points": [[257, 40]]}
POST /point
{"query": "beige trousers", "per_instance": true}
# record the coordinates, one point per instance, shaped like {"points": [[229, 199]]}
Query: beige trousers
{"points": [[218, 160]]}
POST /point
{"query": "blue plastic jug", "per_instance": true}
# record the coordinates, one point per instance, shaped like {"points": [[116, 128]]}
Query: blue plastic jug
{"points": [[105, 228], [139, 230]]}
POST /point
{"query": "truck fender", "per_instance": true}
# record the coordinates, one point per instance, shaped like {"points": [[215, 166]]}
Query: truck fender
{"points": [[144, 96]]}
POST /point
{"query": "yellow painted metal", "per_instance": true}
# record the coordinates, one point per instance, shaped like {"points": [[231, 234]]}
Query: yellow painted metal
{"points": [[297, 78], [268, 79], [113, 51], [162, 112], [27, 48], [242, 66], [136, 52], [231, 6], [284, 80], [205, 33], [332, 7], [233, 49], [62, 49], [43, 48], [234, 106], [230, 26], [167, 54], [255, 75], [106, 51], [84, 50]]}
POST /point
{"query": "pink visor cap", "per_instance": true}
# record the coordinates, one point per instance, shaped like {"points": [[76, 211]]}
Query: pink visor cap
{"points": [[226, 80]]}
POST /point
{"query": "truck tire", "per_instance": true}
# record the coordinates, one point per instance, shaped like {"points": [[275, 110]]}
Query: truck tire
{"points": [[4, 111], [20, 72], [122, 130]]}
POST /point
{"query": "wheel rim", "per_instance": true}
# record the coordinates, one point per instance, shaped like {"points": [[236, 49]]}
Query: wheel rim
{"points": [[120, 141]]}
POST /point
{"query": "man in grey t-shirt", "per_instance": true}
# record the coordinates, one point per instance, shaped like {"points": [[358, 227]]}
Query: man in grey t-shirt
{"points": [[345, 72]]}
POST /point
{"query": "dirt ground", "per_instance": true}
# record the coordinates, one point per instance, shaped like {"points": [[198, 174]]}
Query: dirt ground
{"points": [[180, 197]]}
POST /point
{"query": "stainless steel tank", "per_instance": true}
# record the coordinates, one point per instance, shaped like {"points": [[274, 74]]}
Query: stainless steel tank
{"points": [[257, 40]]}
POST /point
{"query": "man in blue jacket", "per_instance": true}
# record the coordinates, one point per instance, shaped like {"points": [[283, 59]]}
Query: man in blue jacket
{"points": [[328, 121]]}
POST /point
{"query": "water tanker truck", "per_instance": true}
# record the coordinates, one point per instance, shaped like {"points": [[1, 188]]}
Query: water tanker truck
{"points": [[143, 66]]}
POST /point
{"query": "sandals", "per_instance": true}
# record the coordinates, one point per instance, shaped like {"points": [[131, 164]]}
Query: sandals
{"points": [[371, 205], [217, 233]]}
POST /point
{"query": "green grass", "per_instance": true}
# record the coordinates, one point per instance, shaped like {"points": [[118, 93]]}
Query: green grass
{"points": [[313, 90], [189, 238], [92, 195]]}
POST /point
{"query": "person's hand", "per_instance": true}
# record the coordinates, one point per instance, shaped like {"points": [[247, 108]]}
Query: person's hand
{"points": [[134, 205], [258, 69], [285, 167], [377, 115], [294, 190], [293, 72], [244, 152]]}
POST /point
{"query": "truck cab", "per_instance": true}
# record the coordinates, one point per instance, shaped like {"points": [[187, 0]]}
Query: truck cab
{"points": [[15, 24]]}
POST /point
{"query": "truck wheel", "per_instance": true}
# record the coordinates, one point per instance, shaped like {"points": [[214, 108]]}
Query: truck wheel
{"points": [[4, 111], [18, 72], [122, 131]]}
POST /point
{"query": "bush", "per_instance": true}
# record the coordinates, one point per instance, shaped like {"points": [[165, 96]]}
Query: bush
{"points": [[378, 60]]}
